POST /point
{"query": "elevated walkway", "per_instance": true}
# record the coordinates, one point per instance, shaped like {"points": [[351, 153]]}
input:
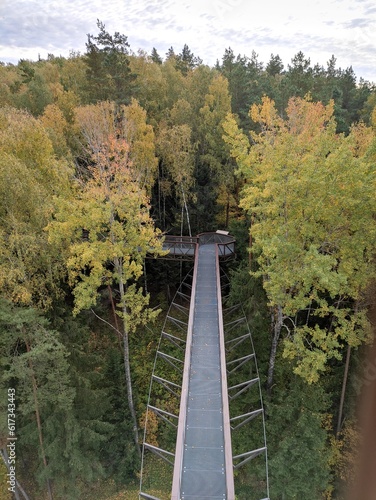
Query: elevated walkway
{"points": [[195, 351], [203, 459]]}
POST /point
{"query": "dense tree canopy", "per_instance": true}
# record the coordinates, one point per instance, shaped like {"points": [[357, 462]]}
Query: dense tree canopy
{"points": [[310, 192], [103, 152]]}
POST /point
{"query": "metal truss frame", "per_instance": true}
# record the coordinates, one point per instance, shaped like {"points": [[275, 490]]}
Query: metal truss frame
{"points": [[241, 354], [169, 358]]}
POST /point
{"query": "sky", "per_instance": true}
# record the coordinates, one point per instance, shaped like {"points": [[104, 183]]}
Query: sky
{"points": [[319, 28]]}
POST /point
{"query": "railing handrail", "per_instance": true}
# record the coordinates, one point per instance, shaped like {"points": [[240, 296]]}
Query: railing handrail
{"points": [[220, 238], [229, 472], [176, 480], [215, 237], [179, 239]]}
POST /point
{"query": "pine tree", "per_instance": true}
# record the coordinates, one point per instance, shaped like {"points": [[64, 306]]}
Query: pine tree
{"points": [[35, 362], [155, 57], [109, 75]]}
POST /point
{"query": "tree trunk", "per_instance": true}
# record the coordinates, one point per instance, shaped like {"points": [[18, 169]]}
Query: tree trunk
{"points": [[114, 314], [127, 366], [182, 220], [227, 210], [164, 212], [186, 210], [277, 328], [344, 383], [38, 419], [250, 244]]}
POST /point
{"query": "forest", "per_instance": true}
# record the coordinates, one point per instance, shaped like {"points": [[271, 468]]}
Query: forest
{"points": [[103, 153]]}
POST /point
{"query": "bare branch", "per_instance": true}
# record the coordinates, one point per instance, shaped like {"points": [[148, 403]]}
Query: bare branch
{"points": [[107, 323]]}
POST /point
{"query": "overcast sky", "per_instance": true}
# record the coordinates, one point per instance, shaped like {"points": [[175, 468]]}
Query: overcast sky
{"points": [[318, 28]]}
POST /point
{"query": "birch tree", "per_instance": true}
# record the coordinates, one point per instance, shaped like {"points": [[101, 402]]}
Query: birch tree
{"points": [[30, 176], [113, 211], [176, 151], [312, 195]]}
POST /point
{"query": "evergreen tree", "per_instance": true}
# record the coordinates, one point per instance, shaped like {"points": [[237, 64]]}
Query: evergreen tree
{"points": [[299, 454], [118, 453], [170, 55], [186, 60], [155, 57], [109, 75], [274, 66], [52, 419], [235, 70], [299, 75]]}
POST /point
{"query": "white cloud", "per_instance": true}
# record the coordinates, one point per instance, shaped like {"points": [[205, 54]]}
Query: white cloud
{"points": [[319, 28]]}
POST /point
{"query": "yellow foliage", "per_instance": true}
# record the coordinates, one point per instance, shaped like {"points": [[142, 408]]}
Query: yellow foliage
{"points": [[310, 192], [373, 117], [266, 114], [113, 209], [347, 448], [54, 122], [150, 419], [30, 176], [4, 493]]}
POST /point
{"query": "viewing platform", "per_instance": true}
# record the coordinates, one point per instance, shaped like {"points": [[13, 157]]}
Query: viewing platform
{"points": [[185, 247]]}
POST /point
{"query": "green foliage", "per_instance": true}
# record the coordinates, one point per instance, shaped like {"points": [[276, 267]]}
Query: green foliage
{"points": [[30, 175], [186, 60], [310, 192], [298, 453], [155, 56], [35, 362], [308, 195], [118, 454], [109, 75], [113, 209], [274, 66], [150, 86], [243, 75]]}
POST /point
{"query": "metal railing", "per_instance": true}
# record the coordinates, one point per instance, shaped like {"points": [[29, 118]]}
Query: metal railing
{"points": [[186, 248], [180, 247], [243, 375], [230, 490], [225, 243], [176, 480], [165, 385]]}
